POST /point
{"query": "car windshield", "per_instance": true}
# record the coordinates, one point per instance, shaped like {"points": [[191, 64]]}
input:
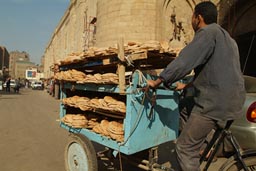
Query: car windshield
{"points": [[250, 84]]}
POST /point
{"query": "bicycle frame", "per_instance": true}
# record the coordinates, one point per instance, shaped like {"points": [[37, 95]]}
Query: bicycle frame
{"points": [[215, 142]]}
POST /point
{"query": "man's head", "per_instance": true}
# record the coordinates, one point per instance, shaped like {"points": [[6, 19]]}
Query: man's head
{"points": [[204, 13]]}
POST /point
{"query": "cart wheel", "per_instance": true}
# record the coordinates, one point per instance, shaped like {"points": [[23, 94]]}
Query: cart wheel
{"points": [[80, 155]]}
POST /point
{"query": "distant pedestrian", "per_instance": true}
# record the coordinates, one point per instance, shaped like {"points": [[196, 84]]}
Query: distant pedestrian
{"points": [[17, 85], [26, 84], [8, 84]]}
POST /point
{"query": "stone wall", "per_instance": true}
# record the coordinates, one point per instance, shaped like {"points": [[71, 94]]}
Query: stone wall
{"points": [[134, 21], [73, 34]]}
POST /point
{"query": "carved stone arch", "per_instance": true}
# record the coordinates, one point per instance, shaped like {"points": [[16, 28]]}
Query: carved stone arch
{"points": [[191, 4], [245, 21], [238, 18]]}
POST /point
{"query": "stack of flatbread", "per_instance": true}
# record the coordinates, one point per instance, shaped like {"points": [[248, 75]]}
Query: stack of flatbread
{"points": [[110, 129], [70, 75], [82, 103], [109, 78], [108, 103], [86, 104], [75, 120], [129, 48], [80, 120], [116, 131], [71, 101], [72, 58], [81, 78], [114, 105], [102, 128], [90, 52], [78, 102], [93, 122], [151, 45]]}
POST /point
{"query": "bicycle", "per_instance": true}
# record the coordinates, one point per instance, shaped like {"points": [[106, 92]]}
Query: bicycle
{"points": [[240, 160]]}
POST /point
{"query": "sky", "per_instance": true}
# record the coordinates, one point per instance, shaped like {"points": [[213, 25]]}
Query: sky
{"points": [[27, 25]]}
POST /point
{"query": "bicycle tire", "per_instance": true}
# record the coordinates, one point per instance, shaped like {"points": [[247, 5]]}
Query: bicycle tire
{"points": [[234, 165]]}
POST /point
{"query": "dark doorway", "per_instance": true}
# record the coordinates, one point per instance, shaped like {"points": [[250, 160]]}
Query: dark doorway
{"points": [[247, 49]]}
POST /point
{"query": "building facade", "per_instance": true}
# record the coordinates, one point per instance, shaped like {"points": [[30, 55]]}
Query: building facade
{"points": [[102, 23], [4, 63], [15, 57], [21, 67], [4, 58]]}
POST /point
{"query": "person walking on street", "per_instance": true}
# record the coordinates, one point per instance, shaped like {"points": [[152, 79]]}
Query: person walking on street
{"points": [[8, 84], [17, 85], [218, 82]]}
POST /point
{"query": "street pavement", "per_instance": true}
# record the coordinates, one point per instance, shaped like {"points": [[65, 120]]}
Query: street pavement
{"points": [[31, 139]]}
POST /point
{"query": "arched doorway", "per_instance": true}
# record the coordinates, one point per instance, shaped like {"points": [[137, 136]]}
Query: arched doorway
{"points": [[238, 17]]}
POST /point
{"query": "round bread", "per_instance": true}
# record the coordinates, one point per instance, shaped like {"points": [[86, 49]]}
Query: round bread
{"points": [[79, 117], [102, 102], [92, 123], [79, 122], [109, 99], [67, 118], [116, 128], [83, 99], [97, 129], [109, 75], [95, 102], [119, 138], [97, 76], [104, 126], [84, 107]]}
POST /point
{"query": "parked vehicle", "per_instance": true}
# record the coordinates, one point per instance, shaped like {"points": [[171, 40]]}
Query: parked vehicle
{"points": [[38, 85], [244, 130], [1, 85], [12, 84]]}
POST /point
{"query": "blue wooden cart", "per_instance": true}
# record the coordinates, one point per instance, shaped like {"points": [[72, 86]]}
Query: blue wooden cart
{"points": [[151, 119]]}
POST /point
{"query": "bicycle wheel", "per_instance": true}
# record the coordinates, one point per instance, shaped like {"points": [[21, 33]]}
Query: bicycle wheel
{"points": [[250, 162]]}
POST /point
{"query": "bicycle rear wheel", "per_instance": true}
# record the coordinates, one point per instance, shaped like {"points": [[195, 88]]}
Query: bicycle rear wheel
{"points": [[234, 165]]}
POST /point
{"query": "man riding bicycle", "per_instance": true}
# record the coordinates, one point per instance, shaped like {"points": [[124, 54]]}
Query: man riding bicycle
{"points": [[218, 82]]}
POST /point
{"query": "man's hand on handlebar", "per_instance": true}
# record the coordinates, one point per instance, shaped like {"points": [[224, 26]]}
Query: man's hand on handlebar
{"points": [[180, 86], [153, 84]]}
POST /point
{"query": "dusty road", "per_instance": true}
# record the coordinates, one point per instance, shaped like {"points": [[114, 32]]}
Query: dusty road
{"points": [[31, 139]]}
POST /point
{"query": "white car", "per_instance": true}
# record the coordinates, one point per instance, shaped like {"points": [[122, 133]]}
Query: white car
{"points": [[38, 85], [1, 85], [12, 84]]}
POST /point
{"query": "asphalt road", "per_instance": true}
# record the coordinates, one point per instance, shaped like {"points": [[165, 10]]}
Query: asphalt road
{"points": [[31, 139]]}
